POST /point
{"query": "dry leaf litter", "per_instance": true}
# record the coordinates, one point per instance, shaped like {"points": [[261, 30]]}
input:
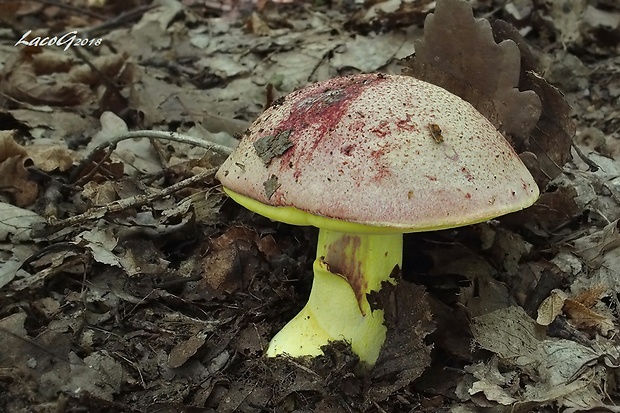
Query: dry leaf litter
{"points": [[117, 296]]}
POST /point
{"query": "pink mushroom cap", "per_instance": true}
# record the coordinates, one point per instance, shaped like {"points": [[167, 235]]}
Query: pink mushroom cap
{"points": [[380, 150]]}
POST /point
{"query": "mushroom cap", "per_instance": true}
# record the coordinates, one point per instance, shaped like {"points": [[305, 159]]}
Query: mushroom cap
{"points": [[378, 150]]}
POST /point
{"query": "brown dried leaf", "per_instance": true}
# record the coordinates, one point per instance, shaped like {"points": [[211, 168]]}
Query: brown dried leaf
{"points": [[551, 140], [109, 66], [253, 339], [47, 63], [404, 355], [220, 271], [388, 15], [9, 148], [551, 307], [8, 9], [12, 338], [50, 158], [268, 246], [578, 310], [14, 178], [566, 372], [590, 296], [492, 387], [593, 249], [580, 313], [256, 25], [101, 169], [185, 349], [23, 81], [509, 333], [459, 54], [141, 256], [100, 243], [99, 194], [552, 210], [536, 282], [269, 147], [232, 262]]}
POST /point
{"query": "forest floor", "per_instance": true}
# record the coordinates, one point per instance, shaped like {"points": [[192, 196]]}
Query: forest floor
{"points": [[120, 294]]}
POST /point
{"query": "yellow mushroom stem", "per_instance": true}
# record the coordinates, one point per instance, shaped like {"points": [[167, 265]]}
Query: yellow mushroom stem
{"points": [[352, 260], [347, 268]]}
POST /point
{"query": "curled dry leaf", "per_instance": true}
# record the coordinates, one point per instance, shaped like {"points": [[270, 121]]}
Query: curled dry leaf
{"points": [[551, 307], [491, 386], [100, 243], [25, 81], [52, 158], [593, 248], [579, 311], [55, 79], [184, 350], [14, 178], [585, 318]]}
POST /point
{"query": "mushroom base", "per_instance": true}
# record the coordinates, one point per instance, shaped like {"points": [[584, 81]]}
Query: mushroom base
{"points": [[347, 268]]}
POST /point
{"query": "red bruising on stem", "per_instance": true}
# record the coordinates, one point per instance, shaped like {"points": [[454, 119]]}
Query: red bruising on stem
{"points": [[344, 259], [319, 112]]}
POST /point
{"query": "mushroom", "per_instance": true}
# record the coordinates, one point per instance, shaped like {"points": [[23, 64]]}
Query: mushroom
{"points": [[366, 158]]}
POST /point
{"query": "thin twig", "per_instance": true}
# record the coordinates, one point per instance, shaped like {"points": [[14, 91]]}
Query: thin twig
{"points": [[36, 345], [301, 367], [121, 205], [58, 246], [151, 134], [379, 409], [119, 20], [96, 168], [74, 9], [591, 164], [104, 78]]}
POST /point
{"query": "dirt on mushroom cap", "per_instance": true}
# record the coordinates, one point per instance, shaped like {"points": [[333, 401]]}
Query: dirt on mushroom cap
{"points": [[362, 150]]}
